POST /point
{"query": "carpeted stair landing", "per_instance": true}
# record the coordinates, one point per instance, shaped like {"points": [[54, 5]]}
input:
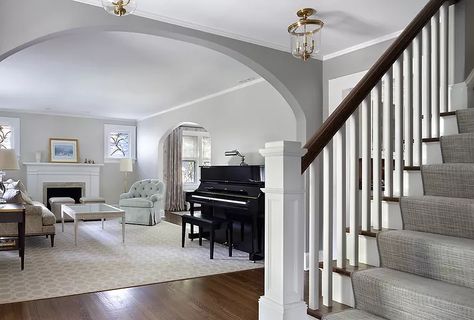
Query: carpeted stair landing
{"points": [[427, 269]]}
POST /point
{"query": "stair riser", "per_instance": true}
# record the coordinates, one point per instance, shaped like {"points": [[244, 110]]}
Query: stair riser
{"points": [[341, 289], [458, 148], [413, 183], [431, 153], [448, 125]]}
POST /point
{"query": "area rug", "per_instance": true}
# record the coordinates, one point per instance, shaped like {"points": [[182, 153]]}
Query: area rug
{"points": [[101, 262]]}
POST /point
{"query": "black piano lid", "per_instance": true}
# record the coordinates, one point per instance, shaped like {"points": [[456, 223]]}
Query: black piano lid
{"points": [[234, 174]]}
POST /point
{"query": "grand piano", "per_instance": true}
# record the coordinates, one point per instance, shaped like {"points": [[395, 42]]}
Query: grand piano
{"points": [[234, 192]]}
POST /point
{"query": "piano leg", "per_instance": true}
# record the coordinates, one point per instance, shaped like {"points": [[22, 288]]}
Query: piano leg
{"points": [[230, 238], [191, 211], [242, 231], [256, 254], [200, 236], [211, 239]]}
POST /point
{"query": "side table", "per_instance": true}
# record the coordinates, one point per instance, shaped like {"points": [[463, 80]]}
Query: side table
{"points": [[15, 213]]}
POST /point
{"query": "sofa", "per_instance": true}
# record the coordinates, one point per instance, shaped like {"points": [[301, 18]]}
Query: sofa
{"points": [[39, 220], [144, 203]]}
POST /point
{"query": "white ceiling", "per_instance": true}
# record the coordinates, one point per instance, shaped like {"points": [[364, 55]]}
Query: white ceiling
{"points": [[348, 23], [114, 74]]}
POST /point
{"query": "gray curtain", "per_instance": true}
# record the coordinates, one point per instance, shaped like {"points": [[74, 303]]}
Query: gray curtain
{"points": [[172, 175]]}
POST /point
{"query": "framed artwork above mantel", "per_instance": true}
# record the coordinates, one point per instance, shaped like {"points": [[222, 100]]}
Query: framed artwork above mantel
{"points": [[63, 150]]}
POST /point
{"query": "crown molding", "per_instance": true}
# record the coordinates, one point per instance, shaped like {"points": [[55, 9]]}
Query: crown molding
{"points": [[204, 98], [65, 114], [362, 45]]}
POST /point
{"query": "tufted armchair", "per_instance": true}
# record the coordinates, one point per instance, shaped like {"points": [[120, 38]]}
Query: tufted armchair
{"points": [[144, 203]]}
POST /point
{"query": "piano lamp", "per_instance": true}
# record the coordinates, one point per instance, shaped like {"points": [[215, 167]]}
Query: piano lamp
{"points": [[305, 35], [8, 161], [234, 153]]}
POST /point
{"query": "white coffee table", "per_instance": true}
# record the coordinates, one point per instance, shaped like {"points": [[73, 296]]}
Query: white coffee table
{"points": [[91, 211]]}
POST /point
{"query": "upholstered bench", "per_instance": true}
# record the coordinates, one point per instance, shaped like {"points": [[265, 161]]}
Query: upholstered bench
{"points": [[56, 202], [212, 224]]}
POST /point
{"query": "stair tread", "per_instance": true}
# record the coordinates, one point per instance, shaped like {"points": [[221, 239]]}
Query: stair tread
{"points": [[430, 255], [353, 314], [458, 148], [449, 179], [392, 294], [348, 270]]}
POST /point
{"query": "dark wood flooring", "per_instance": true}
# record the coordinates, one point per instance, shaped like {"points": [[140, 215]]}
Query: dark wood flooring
{"points": [[225, 296]]}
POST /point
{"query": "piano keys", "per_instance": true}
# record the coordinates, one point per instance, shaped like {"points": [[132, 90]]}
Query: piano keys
{"points": [[234, 192]]}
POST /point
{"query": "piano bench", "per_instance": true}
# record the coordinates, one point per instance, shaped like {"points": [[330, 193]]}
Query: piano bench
{"points": [[212, 225]]}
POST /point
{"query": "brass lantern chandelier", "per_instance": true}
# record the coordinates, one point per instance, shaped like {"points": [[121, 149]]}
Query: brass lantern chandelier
{"points": [[119, 7], [305, 35]]}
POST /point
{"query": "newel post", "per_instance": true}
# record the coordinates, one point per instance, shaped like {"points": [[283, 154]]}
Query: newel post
{"points": [[284, 233]]}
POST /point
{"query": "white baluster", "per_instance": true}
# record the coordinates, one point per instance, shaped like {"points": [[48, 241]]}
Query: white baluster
{"points": [[387, 133], [444, 57], [354, 187], [366, 164], [340, 197], [435, 92], [408, 104], [417, 102], [426, 81], [327, 225], [314, 277], [398, 99], [377, 155]]}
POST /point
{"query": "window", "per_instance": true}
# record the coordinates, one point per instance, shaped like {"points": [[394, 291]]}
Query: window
{"points": [[10, 134], [119, 142], [196, 152]]}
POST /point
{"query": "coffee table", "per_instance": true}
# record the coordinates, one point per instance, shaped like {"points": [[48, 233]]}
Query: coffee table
{"points": [[91, 211]]}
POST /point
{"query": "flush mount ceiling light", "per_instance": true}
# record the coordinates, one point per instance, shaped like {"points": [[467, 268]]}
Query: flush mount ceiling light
{"points": [[305, 35], [119, 7]]}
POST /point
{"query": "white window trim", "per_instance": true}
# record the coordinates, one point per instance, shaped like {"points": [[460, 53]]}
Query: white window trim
{"points": [[199, 160], [132, 132], [15, 124]]}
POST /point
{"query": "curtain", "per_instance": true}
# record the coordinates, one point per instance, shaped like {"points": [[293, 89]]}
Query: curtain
{"points": [[172, 175]]}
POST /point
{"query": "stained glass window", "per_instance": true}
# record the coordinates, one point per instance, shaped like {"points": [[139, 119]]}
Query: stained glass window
{"points": [[6, 133], [119, 145]]}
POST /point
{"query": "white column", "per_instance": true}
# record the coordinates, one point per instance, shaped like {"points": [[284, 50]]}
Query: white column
{"points": [[366, 164], [327, 225], [354, 187], [435, 92], [444, 57], [387, 133], [417, 102], [408, 104], [426, 81], [398, 99], [284, 233], [340, 196], [314, 243], [377, 155]]}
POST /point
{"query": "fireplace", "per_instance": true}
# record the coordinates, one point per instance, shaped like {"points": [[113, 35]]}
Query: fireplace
{"points": [[74, 190]]}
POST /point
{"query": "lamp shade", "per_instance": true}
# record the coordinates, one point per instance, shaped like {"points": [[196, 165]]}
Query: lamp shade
{"points": [[8, 160], [126, 165]]}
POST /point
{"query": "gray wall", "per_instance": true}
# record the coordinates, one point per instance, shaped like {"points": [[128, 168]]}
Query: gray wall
{"points": [[243, 119], [35, 21], [36, 129]]}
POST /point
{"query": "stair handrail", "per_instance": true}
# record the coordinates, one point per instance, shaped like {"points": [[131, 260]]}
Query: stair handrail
{"points": [[353, 100]]}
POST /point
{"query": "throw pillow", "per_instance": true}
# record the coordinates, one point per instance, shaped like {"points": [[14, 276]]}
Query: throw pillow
{"points": [[12, 196], [26, 198]]}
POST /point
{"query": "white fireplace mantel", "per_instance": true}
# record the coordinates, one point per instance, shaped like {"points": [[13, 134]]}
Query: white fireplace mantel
{"points": [[39, 173]]}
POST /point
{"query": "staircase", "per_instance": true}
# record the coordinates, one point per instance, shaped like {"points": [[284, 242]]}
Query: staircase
{"points": [[427, 269], [390, 184]]}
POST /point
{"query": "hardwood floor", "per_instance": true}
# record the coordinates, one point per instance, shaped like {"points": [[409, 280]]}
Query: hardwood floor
{"points": [[227, 296], [218, 297]]}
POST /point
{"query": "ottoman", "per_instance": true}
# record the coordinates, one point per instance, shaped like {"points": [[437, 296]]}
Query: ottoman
{"points": [[85, 200], [55, 204]]}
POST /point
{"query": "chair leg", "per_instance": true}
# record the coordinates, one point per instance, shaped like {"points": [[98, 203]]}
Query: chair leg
{"points": [[52, 240], [230, 241], [192, 232], [200, 235], [183, 233], [211, 238]]}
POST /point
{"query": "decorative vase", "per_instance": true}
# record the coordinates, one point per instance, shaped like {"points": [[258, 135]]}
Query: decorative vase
{"points": [[38, 156]]}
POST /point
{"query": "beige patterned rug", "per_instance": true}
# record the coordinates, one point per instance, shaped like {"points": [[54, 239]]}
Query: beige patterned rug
{"points": [[100, 261]]}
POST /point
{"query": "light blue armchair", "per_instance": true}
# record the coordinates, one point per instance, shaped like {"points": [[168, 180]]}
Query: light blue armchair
{"points": [[144, 203]]}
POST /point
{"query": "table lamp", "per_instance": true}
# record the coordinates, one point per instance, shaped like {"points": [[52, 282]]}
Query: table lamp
{"points": [[8, 161], [126, 166]]}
